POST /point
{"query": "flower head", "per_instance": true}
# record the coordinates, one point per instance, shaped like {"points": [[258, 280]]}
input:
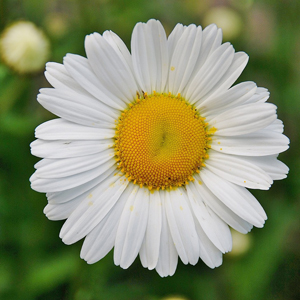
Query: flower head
{"points": [[24, 47], [153, 151]]}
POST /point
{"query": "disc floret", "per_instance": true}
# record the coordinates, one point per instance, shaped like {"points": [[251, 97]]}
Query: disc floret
{"points": [[161, 141]]}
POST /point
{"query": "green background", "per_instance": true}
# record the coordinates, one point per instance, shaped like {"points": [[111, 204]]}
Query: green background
{"points": [[35, 264]]}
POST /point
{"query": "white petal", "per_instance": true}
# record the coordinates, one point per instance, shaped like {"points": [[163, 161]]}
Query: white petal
{"points": [[68, 148], [260, 143], [79, 68], [210, 73], [45, 185], [218, 207], [237, 198], [238, 170], [58, 168], [59, 78], [60, 129], [184, 58], [244, 119], [111, 67], [132, 227], [211, 40], [174, 37], [93, 209], [143, 254], [102, 238], [215, 229], [276, 126], [239, 62], [182, 226], [168, 257], [235, 96], [82, 189], [119, 46], [151, 244], [209, 253], [261, 95], [77, 108], [150, 56], [271, 165], [63, 210]]}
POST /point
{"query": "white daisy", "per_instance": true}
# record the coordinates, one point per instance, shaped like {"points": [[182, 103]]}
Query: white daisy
{"points": [[153, 151]]}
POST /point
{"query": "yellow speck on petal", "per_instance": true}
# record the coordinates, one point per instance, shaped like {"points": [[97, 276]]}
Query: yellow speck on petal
{"points": [[90, 196], [172, 68], [199, 181], [181, 208], [131, 207], [90, 203], [212, 130], [221, 149]]}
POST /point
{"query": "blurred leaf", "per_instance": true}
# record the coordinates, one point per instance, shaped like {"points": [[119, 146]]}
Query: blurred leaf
{"points": [[46, 275], [12, 88], [16, 124], [6, 274], [250, 278]]}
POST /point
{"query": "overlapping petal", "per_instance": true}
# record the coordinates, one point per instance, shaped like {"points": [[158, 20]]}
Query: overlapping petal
{"points": [[149, 252], [81, 71], [260, 143], [101, 239], [60, 129], [111, 67], [216, 230], [149, 45], [210, 73], [237, 198], [183, 59], [238, 170], [93, 209], [182, 226], [212, 201], [243, 119], [69, 148], [168, 256], [132, 227]]}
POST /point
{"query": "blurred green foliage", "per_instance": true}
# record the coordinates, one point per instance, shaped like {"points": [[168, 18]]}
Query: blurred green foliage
{"points": [[35, 264]]}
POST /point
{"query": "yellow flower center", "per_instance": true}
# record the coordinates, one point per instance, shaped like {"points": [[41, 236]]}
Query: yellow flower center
{"points": [[161, 141]]}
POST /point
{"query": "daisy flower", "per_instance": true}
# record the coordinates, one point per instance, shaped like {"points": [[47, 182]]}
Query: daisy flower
{"points": [[154, 150]]}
